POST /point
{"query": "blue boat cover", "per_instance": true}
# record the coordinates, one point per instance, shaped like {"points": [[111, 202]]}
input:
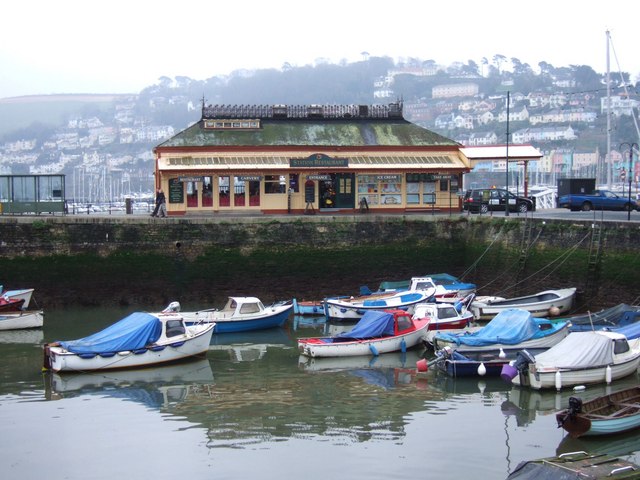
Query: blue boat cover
{"points": [[630, 331], [131, 333], [509, 327], [374, 323]]}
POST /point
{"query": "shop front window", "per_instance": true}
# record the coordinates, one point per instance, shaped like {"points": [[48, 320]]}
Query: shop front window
{"points": [[368, 189], [238, 192], [207, 192], [254, 193], [192, 194], [223, 192], [274, 184]]}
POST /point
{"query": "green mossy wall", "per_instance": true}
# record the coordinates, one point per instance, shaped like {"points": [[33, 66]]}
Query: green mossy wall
{"points": [[134, 261]]}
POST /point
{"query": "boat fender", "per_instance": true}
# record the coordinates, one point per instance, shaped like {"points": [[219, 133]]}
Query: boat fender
{"points": [[482, 370], [422, 365], [374, 350], [607, 374], [403, 346], [558, 380]]}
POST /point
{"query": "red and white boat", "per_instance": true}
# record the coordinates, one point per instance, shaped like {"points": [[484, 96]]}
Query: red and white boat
{"points": [[378, 331], [445, 316]]}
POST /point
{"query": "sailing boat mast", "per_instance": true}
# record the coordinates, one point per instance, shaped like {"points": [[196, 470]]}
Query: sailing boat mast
{"points": [[607, 162]]}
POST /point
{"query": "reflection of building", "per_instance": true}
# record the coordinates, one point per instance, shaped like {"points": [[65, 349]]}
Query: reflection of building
{"points": [[278, 158]]}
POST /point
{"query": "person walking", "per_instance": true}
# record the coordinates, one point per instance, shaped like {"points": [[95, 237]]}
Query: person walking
{"points": [[161, 207]]}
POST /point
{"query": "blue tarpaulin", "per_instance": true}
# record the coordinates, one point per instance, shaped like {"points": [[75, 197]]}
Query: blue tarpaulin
{"points": [[374, 323], [131, 333], [509, 327]]}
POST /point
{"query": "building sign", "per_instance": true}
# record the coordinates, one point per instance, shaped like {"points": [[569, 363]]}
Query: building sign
{"points": [[318, 160], [249, 178], [176, 191], [388, 178], [428, 177], [190, 179], [322, 177]]}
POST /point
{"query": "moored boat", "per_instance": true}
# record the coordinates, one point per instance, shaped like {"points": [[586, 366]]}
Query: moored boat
{"points": [[581, 358], [548, 303], [24, 294], [608, 414], [377, 332], [139, 340], [576, 465], [21, 320], [240, 314], [511, 329], [354, 308]]}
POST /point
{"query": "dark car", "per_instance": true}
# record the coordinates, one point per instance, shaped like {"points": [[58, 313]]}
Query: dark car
{"points": [[483, 200]]}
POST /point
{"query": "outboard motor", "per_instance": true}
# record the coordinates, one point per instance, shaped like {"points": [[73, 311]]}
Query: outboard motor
{"points": [[575, 407]]}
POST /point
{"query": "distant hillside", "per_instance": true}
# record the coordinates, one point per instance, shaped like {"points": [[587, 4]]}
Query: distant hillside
{"points": [[53, 110]]}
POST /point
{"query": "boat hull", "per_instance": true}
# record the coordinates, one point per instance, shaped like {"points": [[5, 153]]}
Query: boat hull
{"points": [[308, 307], [21, 320], [354, 348], [569, 378], [539, 305], [606, 415], [196, 343], [275, 317], [345, 310]]}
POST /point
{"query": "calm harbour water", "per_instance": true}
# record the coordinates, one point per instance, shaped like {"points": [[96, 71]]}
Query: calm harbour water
{"points": [[253, 407]]}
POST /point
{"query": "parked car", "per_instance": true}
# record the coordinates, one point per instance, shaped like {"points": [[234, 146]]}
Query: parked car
{"points": [[483, 200], [598, 200]]}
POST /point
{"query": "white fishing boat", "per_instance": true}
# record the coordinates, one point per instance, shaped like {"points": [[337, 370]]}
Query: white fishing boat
{"points": [[548, 303], [377, 332], [139, 340], [21, 320], [582, 358]]}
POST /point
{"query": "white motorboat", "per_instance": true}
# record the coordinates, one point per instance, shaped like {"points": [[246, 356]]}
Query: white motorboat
{"points": [[581, 358], [139, 340]]}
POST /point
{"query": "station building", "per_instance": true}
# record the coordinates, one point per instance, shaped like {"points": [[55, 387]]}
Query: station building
{"points": [[308, 159]]}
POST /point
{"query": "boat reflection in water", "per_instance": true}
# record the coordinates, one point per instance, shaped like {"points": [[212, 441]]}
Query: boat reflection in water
{"points": [[34, 336], [388, 370], [154, 387], [250, 346]]}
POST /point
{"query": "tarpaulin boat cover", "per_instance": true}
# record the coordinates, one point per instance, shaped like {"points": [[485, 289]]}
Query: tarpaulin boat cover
{"points": [[616, 316], [630, 331], [131, 333], [374, 323], [578, 350], [509, 327]]}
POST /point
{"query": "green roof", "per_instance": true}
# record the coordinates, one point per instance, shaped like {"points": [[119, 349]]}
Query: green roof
{"points": [[395, 132]]}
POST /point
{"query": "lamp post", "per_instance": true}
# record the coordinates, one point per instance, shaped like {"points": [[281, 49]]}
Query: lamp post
{"points": [[629, 172], [507, 158]]}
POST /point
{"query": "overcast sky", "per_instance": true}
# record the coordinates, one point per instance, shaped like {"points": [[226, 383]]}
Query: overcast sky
{"points": [[81, 46]]}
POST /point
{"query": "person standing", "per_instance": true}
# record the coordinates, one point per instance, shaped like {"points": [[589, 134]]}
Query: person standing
{"points": [[161, 207]]}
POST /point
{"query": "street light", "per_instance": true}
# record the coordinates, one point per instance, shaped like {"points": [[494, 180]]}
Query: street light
{"points": [[629, 172]]}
